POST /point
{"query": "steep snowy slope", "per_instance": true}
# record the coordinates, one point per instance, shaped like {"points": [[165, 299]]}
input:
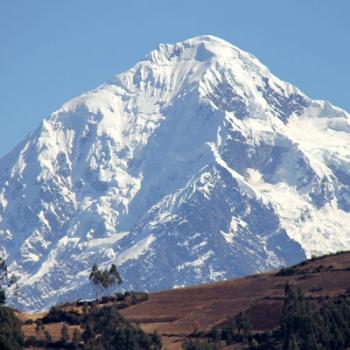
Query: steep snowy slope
{"points": [[197, 164]]}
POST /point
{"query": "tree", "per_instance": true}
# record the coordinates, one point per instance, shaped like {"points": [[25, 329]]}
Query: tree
{"points": [[95, 278], [3, 280], [254, 344], [13, 282], [48, 338], [190, 344], [293, 345], [64, 334], [7, 281], [3, 270], [2, 296], [105, 328], [104, 279], [243, 325], [114, 275], [85, 308], [306, 325], [39, 328], [76, 337], [89, 332], [11, 337]]}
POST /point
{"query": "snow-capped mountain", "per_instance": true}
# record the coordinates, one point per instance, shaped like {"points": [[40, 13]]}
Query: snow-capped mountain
{"points": [[197, 164]]}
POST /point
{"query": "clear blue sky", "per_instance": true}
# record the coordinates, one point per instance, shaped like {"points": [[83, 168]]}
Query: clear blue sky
{"points": [[51, 51]]}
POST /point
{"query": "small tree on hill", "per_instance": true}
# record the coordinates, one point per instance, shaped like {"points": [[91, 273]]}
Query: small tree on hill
{"points": [[95, 278], [39, 328], [47, 337], [3, 280], [7, 281], [89, 332], [104, 279], [114, 276], [243, 325], [76, 337], [3, 270], [64, 334], [13, 282], [105, 282], [11, 336], [2, 296]]}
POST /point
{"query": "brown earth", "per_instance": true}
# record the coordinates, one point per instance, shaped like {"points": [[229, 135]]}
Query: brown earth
{"points": [[181, 312], [178, 313]]}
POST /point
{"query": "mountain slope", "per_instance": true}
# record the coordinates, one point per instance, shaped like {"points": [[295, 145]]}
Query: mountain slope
{"points": [[177, 312], [195, 165]]}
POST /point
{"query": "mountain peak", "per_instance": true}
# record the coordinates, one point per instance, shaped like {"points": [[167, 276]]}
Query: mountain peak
{"points": [[200, 65], [197, 164], [210, 42], [200, 48], [209, 39]]}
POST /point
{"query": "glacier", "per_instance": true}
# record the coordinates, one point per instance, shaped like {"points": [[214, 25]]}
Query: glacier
{"points": [[196, 165]]}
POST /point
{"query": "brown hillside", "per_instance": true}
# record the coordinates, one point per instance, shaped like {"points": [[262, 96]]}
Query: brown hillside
{"points": [[180, 312]]}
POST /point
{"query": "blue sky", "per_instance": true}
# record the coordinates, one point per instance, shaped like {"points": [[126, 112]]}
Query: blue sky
{"points": [[51, 51]]}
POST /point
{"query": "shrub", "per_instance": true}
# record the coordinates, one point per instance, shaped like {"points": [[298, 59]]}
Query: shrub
{"points": [[107, 329], [190, 344], [56, 314], [11, 337]]}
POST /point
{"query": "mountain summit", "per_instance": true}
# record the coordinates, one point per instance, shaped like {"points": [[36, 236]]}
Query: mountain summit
{"points": [[195, 165]]}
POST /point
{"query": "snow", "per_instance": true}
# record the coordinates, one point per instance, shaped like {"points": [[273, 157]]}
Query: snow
{"points": [[196, 263], [136, 250], [316, 136], [234, 229]]}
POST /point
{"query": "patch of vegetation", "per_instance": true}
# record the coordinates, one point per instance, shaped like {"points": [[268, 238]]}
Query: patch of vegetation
{"points": [[319, 257], [57, 314], [104, 280], [314, 325], [305, 324], [132, 297], [99, 327], [235, 330], [11, 337], [28, 322], [105, 328], [197, 344], [121, 300], [295, 269], [288, 271]]}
